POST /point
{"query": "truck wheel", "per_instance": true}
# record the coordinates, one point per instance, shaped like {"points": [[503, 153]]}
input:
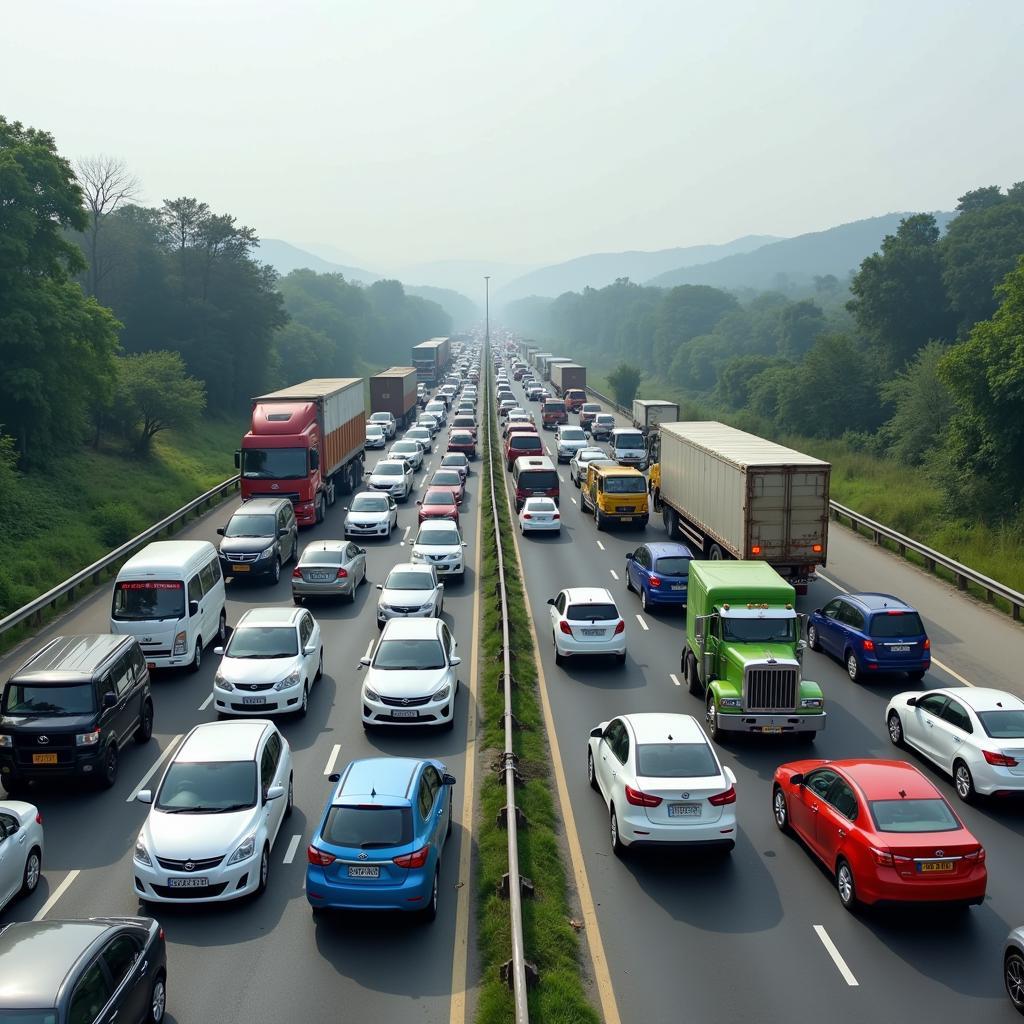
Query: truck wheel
{"points": [[319, 510], [715, 553], [714, 733], [598, 519], [657, 500], [692, 679], [670, 519]]}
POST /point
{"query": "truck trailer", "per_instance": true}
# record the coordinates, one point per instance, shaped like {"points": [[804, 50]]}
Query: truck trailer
{"points": [[549, 365], [306, 443], [568, 375], [394, 391], [430, 359], [649, 413]]}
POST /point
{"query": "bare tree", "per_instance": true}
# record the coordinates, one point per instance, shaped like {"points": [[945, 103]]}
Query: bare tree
{"points": [[107, 184]]}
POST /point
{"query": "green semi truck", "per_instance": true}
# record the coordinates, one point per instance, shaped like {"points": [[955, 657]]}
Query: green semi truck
{"points": [[743, 654]]}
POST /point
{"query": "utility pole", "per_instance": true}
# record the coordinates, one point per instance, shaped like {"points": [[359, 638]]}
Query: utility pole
{"points": [[487, 310]]}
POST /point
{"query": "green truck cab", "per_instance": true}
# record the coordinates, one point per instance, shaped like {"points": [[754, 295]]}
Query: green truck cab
{"points": [[743, 653]]}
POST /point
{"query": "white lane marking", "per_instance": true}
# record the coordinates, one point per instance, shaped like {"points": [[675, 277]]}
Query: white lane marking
{"points": [[164, 754], [573, 500], [643, 625], [615, 575], [600, 545], [289, 854], [837, 957], [334, 757], [935, 661], [56, 895], [674, 678], [547, 449], [369, 647], [206, 703]]}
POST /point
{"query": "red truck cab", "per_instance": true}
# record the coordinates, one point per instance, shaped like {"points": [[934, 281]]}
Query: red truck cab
{"points": [[574, 399]]}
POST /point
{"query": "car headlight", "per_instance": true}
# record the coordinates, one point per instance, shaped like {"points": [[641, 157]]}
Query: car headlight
{"points": [[6, 741], [220, 681], [267, 552], [179, 643], [429, 604], [292, 679], [244, 852], [730, 702], [812, 702], [141, 853], [371, 694], [442, 694], [87, 739], [383, 606], [418, 556]]}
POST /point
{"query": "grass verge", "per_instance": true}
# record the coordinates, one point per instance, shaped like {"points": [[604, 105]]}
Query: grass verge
{"points": [[549, 940]]}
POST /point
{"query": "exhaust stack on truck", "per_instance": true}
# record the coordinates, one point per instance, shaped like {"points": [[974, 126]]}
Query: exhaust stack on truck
{"points": [[394, 391]]}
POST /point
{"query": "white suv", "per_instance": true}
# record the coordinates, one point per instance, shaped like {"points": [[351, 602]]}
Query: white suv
{"points": [[585, 620]]}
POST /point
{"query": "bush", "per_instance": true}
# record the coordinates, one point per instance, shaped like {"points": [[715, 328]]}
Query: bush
{"points": [[117, 522]]}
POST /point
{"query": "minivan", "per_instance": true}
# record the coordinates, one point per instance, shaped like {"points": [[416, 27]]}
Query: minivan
{"points": [[534, 476], [70, 709], [170, 596], [261, 536]]}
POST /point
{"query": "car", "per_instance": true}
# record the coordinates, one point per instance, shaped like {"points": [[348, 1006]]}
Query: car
{"points": [[411, 590], [432, 423], [387, 421], [371, 514], [411, 677], [568, 441], [516, 420], [270, 664], [464, 421], [462, 441], [423, 435], [539, 515], [329, 568], [410, 451], [505, 407], [553, 413], [21, 851], [974, 734], [440, 544], [882, 829], [535, 392], [601, 426], [99, 969], [438, 503], [458, 461], [575, 398], [261, 536], [451, 478], [588, 410], [215, 815], [659, 573], [522, 444], [871, 634], [1013, 967], [662, 783], [438, 410], [376, 436], [586, 621], [394, 476], [579, 462]]}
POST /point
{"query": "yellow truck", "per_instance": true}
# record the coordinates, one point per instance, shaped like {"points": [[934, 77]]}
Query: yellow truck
{"points": [[615, 494]]}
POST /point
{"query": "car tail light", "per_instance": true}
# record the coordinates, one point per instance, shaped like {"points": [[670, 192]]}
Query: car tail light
{"points": [[620, 627], [883, 857], [315, 856], [978, 854], [927, 644], [39, 817], [413, 860], [869, 645], [527, 515], [565, 627], [296, 573], [342, 574], [638, 799], [556, 516], [654, 581], [894, 611], [816, 548], [720, 799], [1000, 760]]}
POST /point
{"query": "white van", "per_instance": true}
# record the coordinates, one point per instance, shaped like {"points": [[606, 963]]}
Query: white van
{"points": [[628, 448], [170, 596]]}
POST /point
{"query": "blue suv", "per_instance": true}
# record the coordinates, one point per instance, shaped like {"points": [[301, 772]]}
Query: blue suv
{"points": [[659, 573], [871, 633], [378, 843]]}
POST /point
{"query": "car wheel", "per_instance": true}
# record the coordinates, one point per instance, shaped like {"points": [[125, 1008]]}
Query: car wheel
{"points": [[845, 886], [352, 593], [109, 774], [304, 703], [319, 509], [430, 910], [576, 481], [812, 638], [852, 667], [158, 1000], [613, 826], [261, 885], [1013, 978], [275, 576], [591, 774], [222, 626], [964, 782], [33, 869], [197, 656], [643, 598], [296, 599], [895, 727], [290, 806], [780, 810], [917, 675], [558, 656], [145, 729], [629, 582], [620, 659], [320, 666]]}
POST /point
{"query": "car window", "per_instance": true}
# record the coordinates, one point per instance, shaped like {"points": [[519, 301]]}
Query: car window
{"points": [[90, 996], [896, 624], [305, 629], [209, 580], [843, 799], [119, 955], [560, 603], [956, 714], [432, 777], [448, 639], [424, 798], [933, 703], [104, 686], [820, 782], [621, 747], [121, 674], [831, 610], [611, 734], [195, 588], [8, 826]]}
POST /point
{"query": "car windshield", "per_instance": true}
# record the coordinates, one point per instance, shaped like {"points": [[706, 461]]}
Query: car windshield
{"points": [[927, 815], [263, 642], [573, 434], [369, 503], [629, 440], [625, 485], [405, 446], [387, 469], [438, 535], [675, 760], [592, 612], [1003, 725], [673, 565], [28, 1016], [410, 655], [403, 579], [208, 787], [29, 699], [418, 434], [375, 431], [590, 407], [896, 624], [368, 827], [273, 463], [246, 525], [441, 497], [753, 631], [381, 417], [321, 557], [148, 600], [606, 420], [451, 479]]}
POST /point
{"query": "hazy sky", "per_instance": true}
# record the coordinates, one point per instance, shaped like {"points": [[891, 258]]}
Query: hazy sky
{"points": [[528, 131]]}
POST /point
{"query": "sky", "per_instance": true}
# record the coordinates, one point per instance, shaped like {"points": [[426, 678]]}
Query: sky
{"points": [[528, 131]]}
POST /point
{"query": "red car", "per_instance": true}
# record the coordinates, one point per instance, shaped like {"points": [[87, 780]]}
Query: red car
{"points": [[522, 442], [462, 441], [452, 479], [883, 829], [438, 503]]}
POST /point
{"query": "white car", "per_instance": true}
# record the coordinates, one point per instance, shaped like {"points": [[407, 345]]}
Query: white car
{"points": [[458, 461], [215, 815], [410, 451], [411, 591], [371, 514], [395, 476], [21, 849], [411, 678], [376, 436], [387, 421], [432, 423], [569, 441], [581, 460], [423, 435], [539, 515], [662, 783], [585, 620], [441, 545], [270, 664], [975, 735]]}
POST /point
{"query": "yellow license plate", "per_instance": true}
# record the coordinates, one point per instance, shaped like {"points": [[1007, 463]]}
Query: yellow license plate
{"points": [[239, 568], [44, 758], [937, 865]]}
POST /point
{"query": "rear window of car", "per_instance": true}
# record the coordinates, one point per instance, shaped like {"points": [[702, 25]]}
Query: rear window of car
{"points": [[893, 624], [538, 480], [1003, 725], [675, 760], [526, 442], [673, 565], [540, 505], [592, 612], [927, 815], [366, 828], [554, 406], [321, 557], [460, 437], [447, 478]]}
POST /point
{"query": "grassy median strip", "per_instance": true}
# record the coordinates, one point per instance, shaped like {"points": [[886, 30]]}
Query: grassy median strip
{"points": [[550, 941]]}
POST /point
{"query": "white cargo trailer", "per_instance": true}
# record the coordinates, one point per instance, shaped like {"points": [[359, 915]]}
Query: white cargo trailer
{"points": [[649, 413]]}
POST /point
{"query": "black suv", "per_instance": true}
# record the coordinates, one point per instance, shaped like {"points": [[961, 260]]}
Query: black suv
{"points": [[71, 707], [260, 537], [93, 970]]}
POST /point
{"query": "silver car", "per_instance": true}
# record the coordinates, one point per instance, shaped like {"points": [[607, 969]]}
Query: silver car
{"points": [[371, 514], [1013, 967], [393, 476], [376, 435], [329, 568], [458, 461], [581, 460], [411, 591], [410, 451], [423, 435]]}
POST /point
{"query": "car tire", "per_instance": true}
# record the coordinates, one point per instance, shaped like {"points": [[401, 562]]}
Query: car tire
{"points": [[1013, 978], [613, 832], [108, 776], [429, 912], [895, 729], [643, 598], [780, 810], [852, 666], [275, 575], [32, 873], [222, 626], [303, 703], [845, 885], [559, 659], [450, 722], [963, 780], [449, 826], [158, 1000], [197, 656], [629, 582], [297, 600], [620, 659], [145, 729], [290, 805], [917, 675], [591, 774], [319, 667], [264, 877], [352, 593], [812, 638]]}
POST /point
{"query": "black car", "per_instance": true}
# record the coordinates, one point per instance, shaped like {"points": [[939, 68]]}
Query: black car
{"points": [[69, 710], [96, 970], [260, 537]]}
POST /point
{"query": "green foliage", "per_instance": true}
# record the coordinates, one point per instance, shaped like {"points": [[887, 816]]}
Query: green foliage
{"points": [[155, 394], [922, 406], [624, 381], [686, 312], [116, 522], [738, 375]]}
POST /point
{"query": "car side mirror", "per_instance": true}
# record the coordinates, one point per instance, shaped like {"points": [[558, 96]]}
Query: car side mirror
{"points": [[380, 586], [817, 611], [454, 660], [418, 502], [364, 661], [219, 651], [334, 777], [911, 702], [597, 732], [238, 459], [361, 551], [109, 701], [220, 531], [144, 796], [309, 649], [346, 508], [797, 779], [447, 779], [465, 544], [551, 600], [274, 793], [193, 608]]}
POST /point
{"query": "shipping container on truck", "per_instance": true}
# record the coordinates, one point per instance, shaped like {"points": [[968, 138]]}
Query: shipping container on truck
{"points": [[736, 495], [306, 443], [538, 359], [568, 375], [430, 359], [649, 413], [551, 363], [394, 391]]}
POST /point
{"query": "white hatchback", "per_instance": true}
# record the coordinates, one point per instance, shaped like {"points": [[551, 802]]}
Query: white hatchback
{"points": [[585, 620], [539, 515]]}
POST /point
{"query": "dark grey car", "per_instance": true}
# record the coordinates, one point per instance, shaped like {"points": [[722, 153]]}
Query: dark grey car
{"points": [[259, 539]]}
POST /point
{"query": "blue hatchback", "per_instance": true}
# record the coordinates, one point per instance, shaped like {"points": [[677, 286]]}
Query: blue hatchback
{"points": [[871, 634], [659, 573], [378, 843]]}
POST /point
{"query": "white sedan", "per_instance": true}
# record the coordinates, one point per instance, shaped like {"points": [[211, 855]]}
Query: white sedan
{"points": [[585, 620], [423, 435], [410, 451], [21, 849], [975, 735], [569, 441], [662, 783], [539, 515]]}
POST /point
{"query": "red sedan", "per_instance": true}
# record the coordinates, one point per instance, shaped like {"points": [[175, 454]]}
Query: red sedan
{"points": [[438, 503], [462, 441], [451, 479], [883, 829]]}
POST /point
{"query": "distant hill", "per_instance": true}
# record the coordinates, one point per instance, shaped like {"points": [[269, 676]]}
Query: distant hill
{"points": [[835, 251], [600, 269], [464, 312], [285, 257]]}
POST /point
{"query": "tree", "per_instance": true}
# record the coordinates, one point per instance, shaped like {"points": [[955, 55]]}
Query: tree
{"points": [[980, 199], [739, 375], [624, 381], [685, 313], [156, 394], [923, 405], [106, 184], [800, 324]]}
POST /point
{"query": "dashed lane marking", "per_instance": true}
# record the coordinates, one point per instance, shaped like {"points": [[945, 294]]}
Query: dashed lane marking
{"points": [[56, 895], [206, 703], [293, 845], [615, 575], [600, 545], [837, 957], [164, 754], [643, 625], [674, 678], [335, 751]]}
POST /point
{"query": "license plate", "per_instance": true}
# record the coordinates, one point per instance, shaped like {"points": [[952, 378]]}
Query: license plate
{"points": [[771, 728], [254, 700], [677, 586], [363, 871], [240, 568], [627, 519], [592, 632], [321, 577], [44, 758], [684, 810], [929, 867], [900, 648], [187, 883], [404, 713]]}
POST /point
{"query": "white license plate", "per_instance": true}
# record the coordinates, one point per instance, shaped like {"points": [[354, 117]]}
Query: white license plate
{"points": [[404, 713], [187, 883], [254, 700], [592, 632], [684, 810], [363, 871], [900, 648], [626, 519], [677, 586], [321, 577]]}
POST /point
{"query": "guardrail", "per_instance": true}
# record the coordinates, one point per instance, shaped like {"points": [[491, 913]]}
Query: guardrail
{"points": [[963, 575], [33, 611]]}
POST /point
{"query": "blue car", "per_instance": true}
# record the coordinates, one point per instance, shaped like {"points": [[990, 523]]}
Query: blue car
{"points": [[871, 634], [659, 573], [378, 844]]}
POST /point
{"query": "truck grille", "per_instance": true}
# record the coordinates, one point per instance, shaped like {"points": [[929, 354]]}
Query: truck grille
{"points": [[771, 688]]}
